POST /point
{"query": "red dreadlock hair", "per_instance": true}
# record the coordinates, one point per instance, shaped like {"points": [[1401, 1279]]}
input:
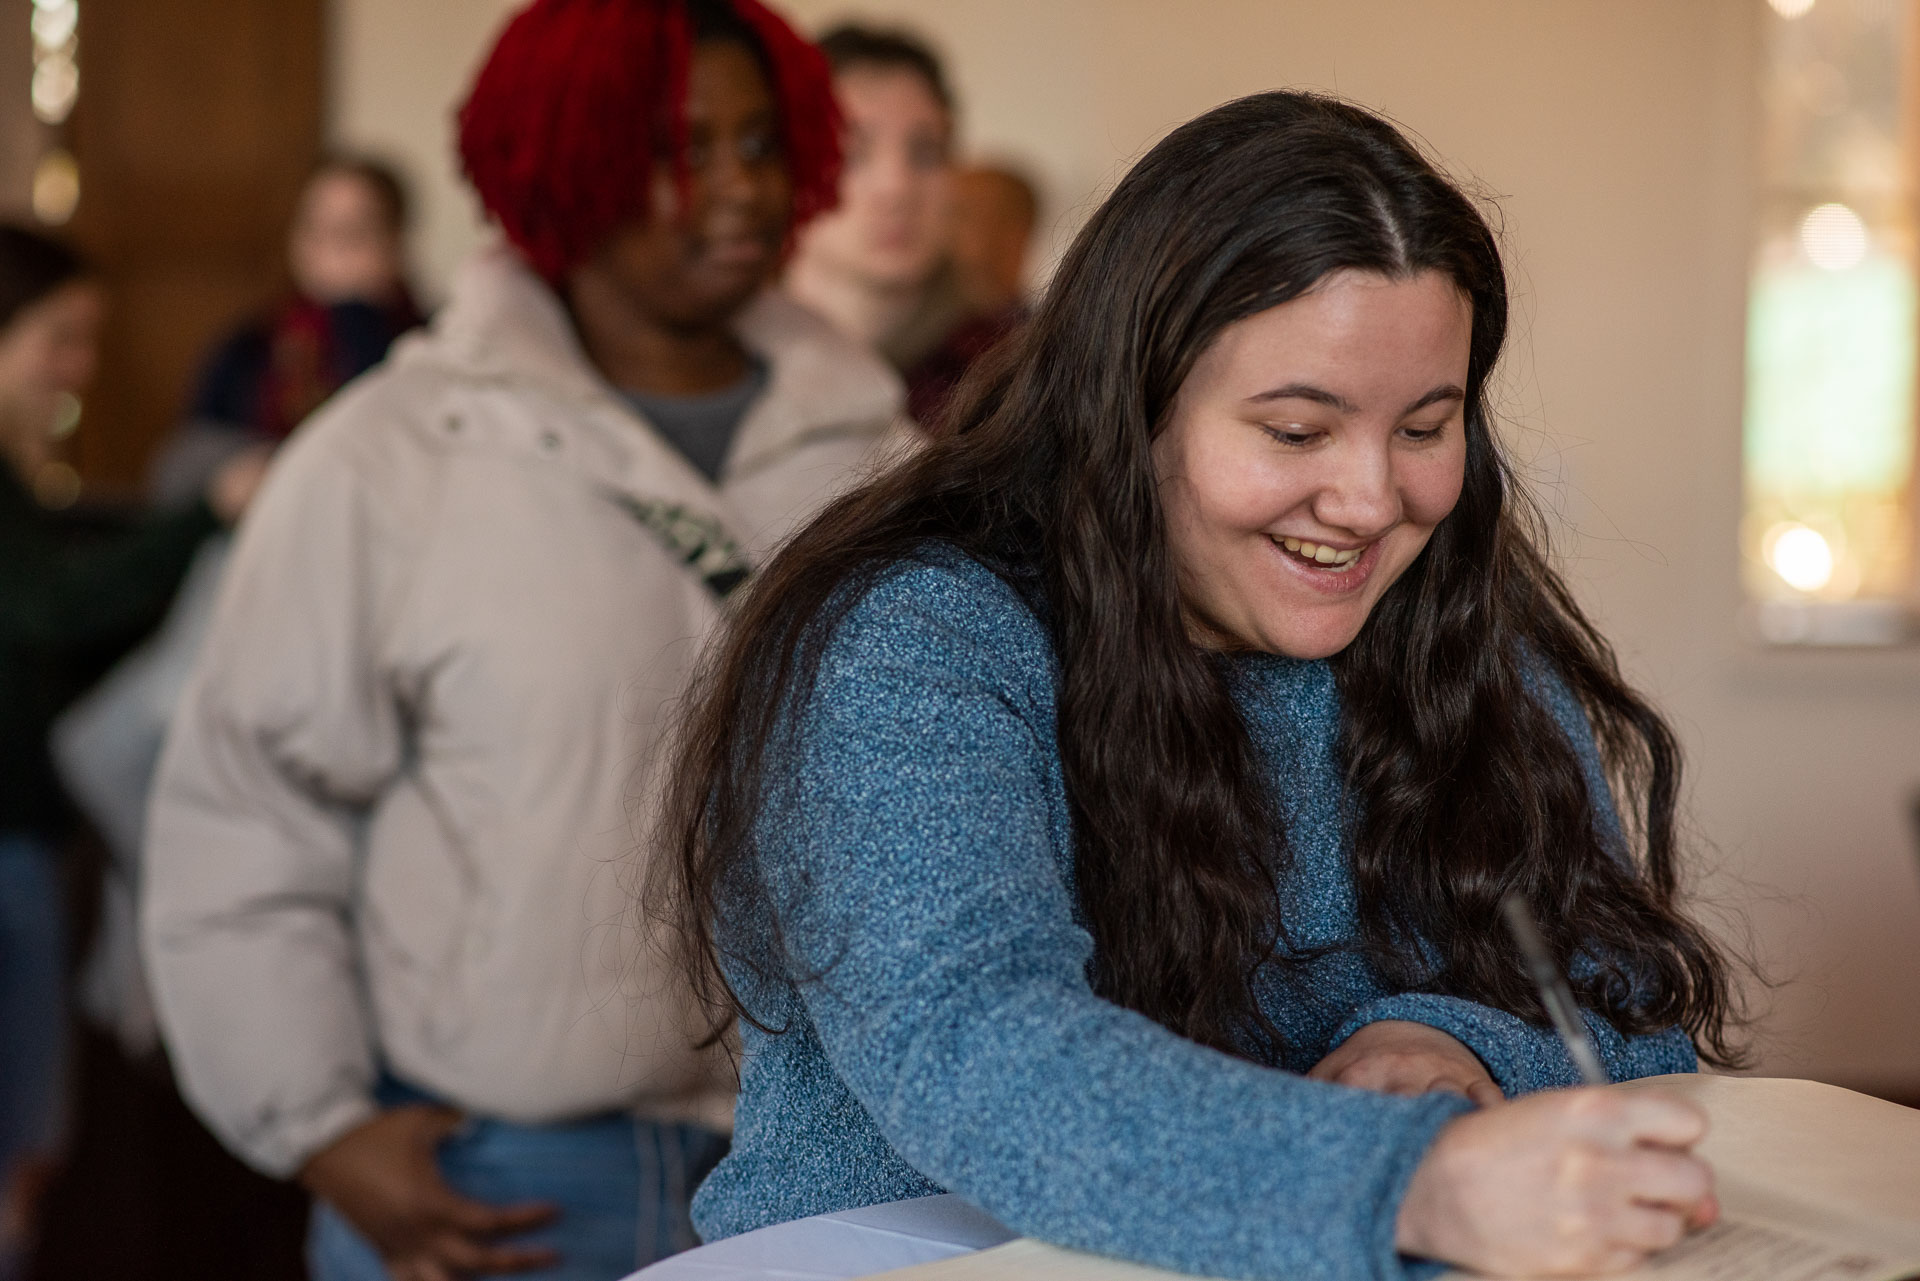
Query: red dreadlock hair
{"points": [[579, 98]]}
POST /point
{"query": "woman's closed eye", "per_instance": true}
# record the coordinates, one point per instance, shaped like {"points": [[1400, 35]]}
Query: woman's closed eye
{"points": [[1420, 433], [1293, 435]]}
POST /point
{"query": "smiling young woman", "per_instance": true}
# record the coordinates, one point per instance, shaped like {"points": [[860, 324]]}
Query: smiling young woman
{"points": [[1310, 454], [1105, 815]]}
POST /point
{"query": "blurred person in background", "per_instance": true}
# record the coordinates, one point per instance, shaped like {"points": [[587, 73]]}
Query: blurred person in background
{"points": [[880, 267], [60, 598], [383, 903], [347, 303], [995, 209]]}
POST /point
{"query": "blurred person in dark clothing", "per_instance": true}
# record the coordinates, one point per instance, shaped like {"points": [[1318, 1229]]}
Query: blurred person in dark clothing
{"points": [[58, 596], [348, 302], [880, 266]]}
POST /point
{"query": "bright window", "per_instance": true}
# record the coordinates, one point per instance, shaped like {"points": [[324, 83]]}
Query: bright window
{"points": [[1831, 323]]}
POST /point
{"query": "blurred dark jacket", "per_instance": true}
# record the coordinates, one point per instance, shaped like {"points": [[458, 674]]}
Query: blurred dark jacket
{"points": [[275, 370], [266, 377], [69, 602]]}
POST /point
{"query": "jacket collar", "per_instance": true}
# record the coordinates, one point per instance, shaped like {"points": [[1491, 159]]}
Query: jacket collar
{"points": [[503, 324]]}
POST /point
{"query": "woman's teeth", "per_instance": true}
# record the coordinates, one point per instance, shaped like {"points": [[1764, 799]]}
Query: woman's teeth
{"points": [[1331, 557]]}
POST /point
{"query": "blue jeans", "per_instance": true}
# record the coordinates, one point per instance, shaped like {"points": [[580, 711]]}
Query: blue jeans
{"points": [[33, 1010], [622, 1185]]}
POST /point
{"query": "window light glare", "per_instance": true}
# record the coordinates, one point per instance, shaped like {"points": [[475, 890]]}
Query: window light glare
{"points": [[56, 84], [67, 410], [1791, 8], [1833, 237], [1801, 556], [54, 24], [56, 187]]}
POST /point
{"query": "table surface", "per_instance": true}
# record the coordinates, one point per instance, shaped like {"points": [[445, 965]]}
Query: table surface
{"points": [[836, 1247]]}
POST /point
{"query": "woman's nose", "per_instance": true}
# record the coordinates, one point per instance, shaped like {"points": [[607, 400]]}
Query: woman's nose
{"points": [[890, 178], [1359, 495], [730, 178]]}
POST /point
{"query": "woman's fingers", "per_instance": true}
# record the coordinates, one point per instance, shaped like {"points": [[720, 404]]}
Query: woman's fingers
{"points": [[1562, 1183], [1648, 1229], [467, 1245], [1667, 1179], [421, 1269], [467, 1256], [477, 1218], [1388, 1073], [1395, 1056], [1485, 1093], [1414, 1075], [1658, 1119]]}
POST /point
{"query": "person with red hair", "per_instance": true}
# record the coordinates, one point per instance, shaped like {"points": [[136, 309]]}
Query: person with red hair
{"points": [[385, 909]]}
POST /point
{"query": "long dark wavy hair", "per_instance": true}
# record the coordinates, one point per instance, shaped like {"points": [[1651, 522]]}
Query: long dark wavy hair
{"points": [[1463, 786]]}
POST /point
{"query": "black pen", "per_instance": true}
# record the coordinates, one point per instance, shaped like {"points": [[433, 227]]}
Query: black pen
{"points": [[1554, 993]]}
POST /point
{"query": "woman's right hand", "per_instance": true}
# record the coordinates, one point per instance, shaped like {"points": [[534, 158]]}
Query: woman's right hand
{"points": [[232, 488], [382, 1178], [1560, 1183]]}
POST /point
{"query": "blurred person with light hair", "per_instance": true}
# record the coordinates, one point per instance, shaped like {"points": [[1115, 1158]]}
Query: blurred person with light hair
{"points": [[391, 940], [59, 596], [881, 266]]}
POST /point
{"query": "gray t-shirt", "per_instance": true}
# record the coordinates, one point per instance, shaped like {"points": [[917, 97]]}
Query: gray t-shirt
{"points": [[702, 427]]}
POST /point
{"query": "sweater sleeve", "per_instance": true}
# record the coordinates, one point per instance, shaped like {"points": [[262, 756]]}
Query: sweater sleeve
{"points": [[1522, 1056], [284, 737], [907, 852]]}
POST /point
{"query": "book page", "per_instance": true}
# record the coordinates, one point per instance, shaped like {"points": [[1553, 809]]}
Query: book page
{"points": [[1742, 1249], [1762, 1234], [1806, 1143]]}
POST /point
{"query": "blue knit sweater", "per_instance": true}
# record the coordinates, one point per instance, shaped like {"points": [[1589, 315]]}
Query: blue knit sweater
{"points": [[942, 1035]]}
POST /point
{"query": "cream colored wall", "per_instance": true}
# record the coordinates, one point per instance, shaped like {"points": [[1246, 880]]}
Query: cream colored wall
{"points": [[398, 72], [1616, 134]]}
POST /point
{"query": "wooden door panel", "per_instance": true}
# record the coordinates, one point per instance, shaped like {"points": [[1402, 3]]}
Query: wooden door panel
{"points": [[197, 122]]}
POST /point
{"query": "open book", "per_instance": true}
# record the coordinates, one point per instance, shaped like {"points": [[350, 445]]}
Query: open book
{"points": [[1816, 1183]]}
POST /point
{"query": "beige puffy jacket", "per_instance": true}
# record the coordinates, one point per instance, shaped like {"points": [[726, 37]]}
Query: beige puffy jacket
{"points": [[393, 823]]}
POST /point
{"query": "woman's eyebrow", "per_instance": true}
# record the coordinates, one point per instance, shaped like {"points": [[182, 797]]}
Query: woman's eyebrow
{"points": [[1321, 396], [1445, 392], [1306, 391]]}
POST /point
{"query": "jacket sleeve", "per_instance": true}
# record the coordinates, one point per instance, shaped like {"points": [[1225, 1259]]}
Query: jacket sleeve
{"points": [[286, 734], [907, 853], [1521, 1056]]}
